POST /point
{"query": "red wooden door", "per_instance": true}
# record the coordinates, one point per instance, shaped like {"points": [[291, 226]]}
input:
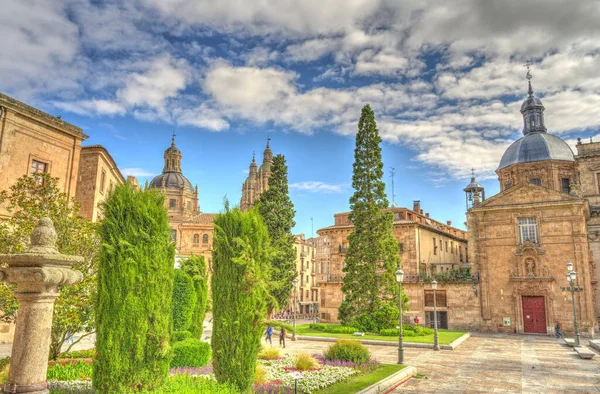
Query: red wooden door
{"points": [[534, 315]]}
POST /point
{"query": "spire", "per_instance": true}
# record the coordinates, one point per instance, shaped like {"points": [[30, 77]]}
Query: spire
{"points": [[173, 140], [268, 153], [532, 109]]}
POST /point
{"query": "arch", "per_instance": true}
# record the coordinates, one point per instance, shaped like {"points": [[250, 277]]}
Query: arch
{"points": [[196, 239], [205, 239]]}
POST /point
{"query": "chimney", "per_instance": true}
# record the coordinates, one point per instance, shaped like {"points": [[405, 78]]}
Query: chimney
{"points": [[416, 206], [427, 214], [449, 222]]}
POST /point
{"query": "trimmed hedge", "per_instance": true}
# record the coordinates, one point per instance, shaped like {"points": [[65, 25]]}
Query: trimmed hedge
{"points": [[135, 288], [334, 329], [407, 331], [190, 352], [181, 335], [241, 251], [348, 350], [195, 267], [184, 301]]}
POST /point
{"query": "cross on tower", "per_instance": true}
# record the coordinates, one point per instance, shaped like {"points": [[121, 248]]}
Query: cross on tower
{"points": [[173, 139], [528, 65]]}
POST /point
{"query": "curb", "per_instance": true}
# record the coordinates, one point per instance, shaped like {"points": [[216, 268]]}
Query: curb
{"points": [[451, 346], [390, 382]]}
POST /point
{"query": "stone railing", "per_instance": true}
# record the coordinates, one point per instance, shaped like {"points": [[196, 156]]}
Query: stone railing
{"points": [[440, 278]]}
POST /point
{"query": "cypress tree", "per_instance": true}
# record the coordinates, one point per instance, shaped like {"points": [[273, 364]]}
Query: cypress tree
{"points": [[369, 288], [240, 263], [277, 210], [184, 301], [135, 284], [195, 267]]}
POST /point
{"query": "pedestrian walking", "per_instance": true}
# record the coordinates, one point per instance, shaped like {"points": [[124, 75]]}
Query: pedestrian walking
{"points": [[282, 337], [269, 335], [559, 333]]}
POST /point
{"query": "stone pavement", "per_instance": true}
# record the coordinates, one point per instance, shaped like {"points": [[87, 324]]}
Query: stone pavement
{"points": [[490, 363]]}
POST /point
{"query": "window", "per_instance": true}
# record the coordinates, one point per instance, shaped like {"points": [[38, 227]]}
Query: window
{"points": [[441, 247], [401, 245], [38, 166], [508, 186], [452, 247], [102, 181], [173, 235], [528, 230], [205, 239], [196, 239], [440, 298], [446, 246], [566, 185], [172, 203], [189, 205], [536, 181], [434, 247], [111, 187], [598, 179]]}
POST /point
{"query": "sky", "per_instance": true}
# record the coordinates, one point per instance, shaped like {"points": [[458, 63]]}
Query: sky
{"points": [[445, 79]]}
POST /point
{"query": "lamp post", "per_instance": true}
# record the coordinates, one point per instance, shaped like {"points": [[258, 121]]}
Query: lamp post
{"points": [[436, 346], [571, 277], [295, 283], [399, 279]]}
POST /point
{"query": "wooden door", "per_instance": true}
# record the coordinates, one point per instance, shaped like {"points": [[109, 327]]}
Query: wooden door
{"points": [[534, 315]]}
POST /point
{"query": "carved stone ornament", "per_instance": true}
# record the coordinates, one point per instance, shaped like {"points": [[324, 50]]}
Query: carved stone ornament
{"points": [[528, 246]]}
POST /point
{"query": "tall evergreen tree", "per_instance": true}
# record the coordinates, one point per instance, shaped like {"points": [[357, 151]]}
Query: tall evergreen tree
{"points": [[135, 285], [369, 288], [195, 267], [241, 253], [277, 210]]}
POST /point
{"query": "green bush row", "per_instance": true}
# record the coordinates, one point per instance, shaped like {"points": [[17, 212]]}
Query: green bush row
{"points": [[407, 331], [190, 352], [333, 328], [180, 335]]}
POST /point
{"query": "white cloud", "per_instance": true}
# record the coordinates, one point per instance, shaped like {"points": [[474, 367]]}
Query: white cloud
{"points": [[317, 187], [136, 171], [92, 107]]}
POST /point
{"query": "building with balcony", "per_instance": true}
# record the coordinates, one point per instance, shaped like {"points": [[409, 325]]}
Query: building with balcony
{"points": [[307, 294]]}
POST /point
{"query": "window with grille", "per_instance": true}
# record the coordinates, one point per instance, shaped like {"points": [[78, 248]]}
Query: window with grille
{"points": [[196, 238], [172, 203], [566, 185], [38, 167], [528, 230], [536, 181], [205, 239], [173, 235]]}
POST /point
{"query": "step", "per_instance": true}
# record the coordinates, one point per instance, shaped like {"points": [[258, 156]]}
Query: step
{"points": [[595, 344], [569, 341], [585, 353]]}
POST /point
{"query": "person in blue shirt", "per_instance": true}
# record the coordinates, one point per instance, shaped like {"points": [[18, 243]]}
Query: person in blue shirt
{"points": [[269, 334]]}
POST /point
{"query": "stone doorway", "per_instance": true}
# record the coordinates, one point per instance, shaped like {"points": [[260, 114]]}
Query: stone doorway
{"points": [[534, 315]]}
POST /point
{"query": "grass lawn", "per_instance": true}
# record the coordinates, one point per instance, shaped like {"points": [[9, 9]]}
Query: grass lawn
{"points": [[357, 383], [445, 337]]}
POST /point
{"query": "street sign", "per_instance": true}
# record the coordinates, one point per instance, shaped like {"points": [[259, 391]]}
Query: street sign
{"points": [[569, 288]]}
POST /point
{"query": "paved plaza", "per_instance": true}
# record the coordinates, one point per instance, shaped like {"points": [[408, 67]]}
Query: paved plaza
{"points": [[485, 363]]}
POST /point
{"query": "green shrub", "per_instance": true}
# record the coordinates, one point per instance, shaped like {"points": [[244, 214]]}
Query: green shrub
{"points": [[87, 353], [348, 350], [181, 335], [190, 352], [333, 328], [304, 362], [407, 331], [184, 301], [187, 384], [73, 371], [135, 288], [4, 362], [384, 316], [241, 253], [195, 267]]}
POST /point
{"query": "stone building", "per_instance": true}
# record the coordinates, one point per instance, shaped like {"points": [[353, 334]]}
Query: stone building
{"points": [[521, 239], [258, 179], [98, 175], [33, 141], [191, 229], [427, 247], [307, 296]]}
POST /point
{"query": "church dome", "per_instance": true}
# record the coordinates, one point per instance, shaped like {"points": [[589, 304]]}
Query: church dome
{"points": [[536, 147], [172, 180]]}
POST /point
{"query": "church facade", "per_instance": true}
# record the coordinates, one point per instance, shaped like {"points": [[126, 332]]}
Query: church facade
{"points": [[521, 239], [258, 179]]}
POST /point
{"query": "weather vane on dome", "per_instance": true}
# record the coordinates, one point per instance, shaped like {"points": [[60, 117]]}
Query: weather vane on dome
{"points": [[528, 76], [173, 139]]}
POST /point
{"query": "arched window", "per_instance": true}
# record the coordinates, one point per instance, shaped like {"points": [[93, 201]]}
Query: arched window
{"points": [[205, 239], [196, 239]]}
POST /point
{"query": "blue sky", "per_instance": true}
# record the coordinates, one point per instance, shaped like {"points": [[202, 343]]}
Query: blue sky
{"points": [[445, 81]]}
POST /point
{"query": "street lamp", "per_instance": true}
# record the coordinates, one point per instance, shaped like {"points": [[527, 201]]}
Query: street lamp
{"points": [[435, 324], [399, 279], [571, 277], [295, 283]]}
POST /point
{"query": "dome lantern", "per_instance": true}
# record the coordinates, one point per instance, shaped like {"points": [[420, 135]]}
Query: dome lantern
{"points": [[473, 191]]}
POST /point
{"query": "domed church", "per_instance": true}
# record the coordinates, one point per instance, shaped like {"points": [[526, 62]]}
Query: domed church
{"points": [[545, 216], [191, 229]]}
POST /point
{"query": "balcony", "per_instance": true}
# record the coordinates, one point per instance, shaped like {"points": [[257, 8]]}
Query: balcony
{"points": [[329, 278]]}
